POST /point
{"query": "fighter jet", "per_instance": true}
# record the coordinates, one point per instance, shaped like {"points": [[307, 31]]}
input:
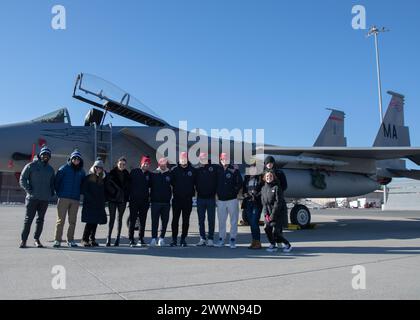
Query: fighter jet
{"points": [[329, 169]]}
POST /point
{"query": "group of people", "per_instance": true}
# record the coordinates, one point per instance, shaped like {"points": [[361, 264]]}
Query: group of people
{"points": [[143, 189]]}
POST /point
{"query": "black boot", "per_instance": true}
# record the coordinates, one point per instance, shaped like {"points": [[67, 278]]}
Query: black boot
{"points": [[108, 241], [117, 242]]}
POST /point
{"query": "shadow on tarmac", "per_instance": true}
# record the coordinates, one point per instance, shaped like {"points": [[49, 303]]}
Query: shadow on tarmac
{"points": [[340, 232]]}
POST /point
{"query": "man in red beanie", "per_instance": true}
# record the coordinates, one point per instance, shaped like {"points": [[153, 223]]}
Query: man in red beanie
{"points": [[139, 200]]}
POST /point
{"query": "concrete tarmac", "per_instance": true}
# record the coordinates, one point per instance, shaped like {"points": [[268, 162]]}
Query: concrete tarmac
{"points": [[386, 245]]}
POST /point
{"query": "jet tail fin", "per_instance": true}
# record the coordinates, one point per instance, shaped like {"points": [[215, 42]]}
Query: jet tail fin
{"points": [[332, 135], [393, 132]]}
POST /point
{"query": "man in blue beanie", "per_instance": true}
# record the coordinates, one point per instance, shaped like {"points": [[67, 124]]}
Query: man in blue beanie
{"points": [[68, 184], [37, 179]]}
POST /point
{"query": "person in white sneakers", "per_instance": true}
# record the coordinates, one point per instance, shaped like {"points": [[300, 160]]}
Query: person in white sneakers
{"points": [[160, 195], [229, 183], [206, 184], [272, 200]]}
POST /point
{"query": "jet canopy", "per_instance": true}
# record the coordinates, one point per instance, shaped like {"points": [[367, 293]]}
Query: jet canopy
{"points": [[107, 96], [58, 116]]}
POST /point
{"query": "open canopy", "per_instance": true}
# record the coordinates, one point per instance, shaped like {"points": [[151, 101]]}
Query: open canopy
{"points": [[107, 96]]}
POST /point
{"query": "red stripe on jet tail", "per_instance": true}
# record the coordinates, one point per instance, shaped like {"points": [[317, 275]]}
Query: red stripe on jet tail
{"points": [[33, 152], [335, 118], [396, 105], [42, 142]]}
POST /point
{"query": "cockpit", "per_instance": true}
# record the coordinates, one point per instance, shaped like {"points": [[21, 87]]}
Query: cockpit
{"points": [[58, 116]]}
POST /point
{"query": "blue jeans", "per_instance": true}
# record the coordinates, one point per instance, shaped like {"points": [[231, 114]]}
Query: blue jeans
{"points": [[208, 205], [253, 213]]}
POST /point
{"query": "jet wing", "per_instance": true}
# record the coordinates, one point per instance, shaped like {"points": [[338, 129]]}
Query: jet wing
{"points": [[412, 174], [376, 153]]}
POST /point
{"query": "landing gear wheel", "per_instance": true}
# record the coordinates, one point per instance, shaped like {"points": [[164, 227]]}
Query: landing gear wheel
{"points": [[301, 216]]}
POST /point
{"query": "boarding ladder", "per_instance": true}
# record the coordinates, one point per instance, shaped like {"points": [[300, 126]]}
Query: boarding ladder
{"points": [[103, 143]]}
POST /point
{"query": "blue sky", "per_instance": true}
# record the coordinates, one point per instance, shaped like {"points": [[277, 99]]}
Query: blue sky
{"points": [[230, 64]]}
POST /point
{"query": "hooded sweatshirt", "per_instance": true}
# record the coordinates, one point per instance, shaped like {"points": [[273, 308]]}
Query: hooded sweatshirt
{"points": [[68, 181], [229, 183], [183, 181], [206, 182], [160, 184], [140, 185]]}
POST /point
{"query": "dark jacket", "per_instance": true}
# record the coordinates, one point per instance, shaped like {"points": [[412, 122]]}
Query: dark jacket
{"points": [[229, 183], [93, 189], [206, 181], [274, 204], [68, 181], [272, 201], [252, 190], [160, 186], [140, 185], [117, 187], [37, 179], [183, 181]]}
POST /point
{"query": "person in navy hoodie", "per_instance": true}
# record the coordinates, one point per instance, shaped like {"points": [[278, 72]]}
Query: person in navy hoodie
{"points": [[160, 197], [229, 183], [139, 199], [68, 184], [183, 183], [206, 184]]}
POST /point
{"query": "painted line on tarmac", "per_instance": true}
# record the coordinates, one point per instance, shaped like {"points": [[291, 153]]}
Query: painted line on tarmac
{"points": [[114, 291]]}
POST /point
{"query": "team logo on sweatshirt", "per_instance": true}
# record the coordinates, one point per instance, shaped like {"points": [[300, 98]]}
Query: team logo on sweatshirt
{"points": [[189, 173], [211, 169], [228, 176], [168, 179]]}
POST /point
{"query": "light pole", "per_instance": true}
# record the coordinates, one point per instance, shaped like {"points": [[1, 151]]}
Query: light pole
{"points": [[375, 31]]}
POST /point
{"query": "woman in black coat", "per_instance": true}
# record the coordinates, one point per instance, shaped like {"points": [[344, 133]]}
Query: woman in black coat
{"points": [[272, 200], [93, 212], [117, 194]]}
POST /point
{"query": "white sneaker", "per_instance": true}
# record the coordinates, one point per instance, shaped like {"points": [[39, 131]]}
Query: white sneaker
{"points": [[272, 248], [153, 242], [287, 249], [232, 244], [201, 243], [210, 243], [161, 242], [138, 244], [220, 244]]}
